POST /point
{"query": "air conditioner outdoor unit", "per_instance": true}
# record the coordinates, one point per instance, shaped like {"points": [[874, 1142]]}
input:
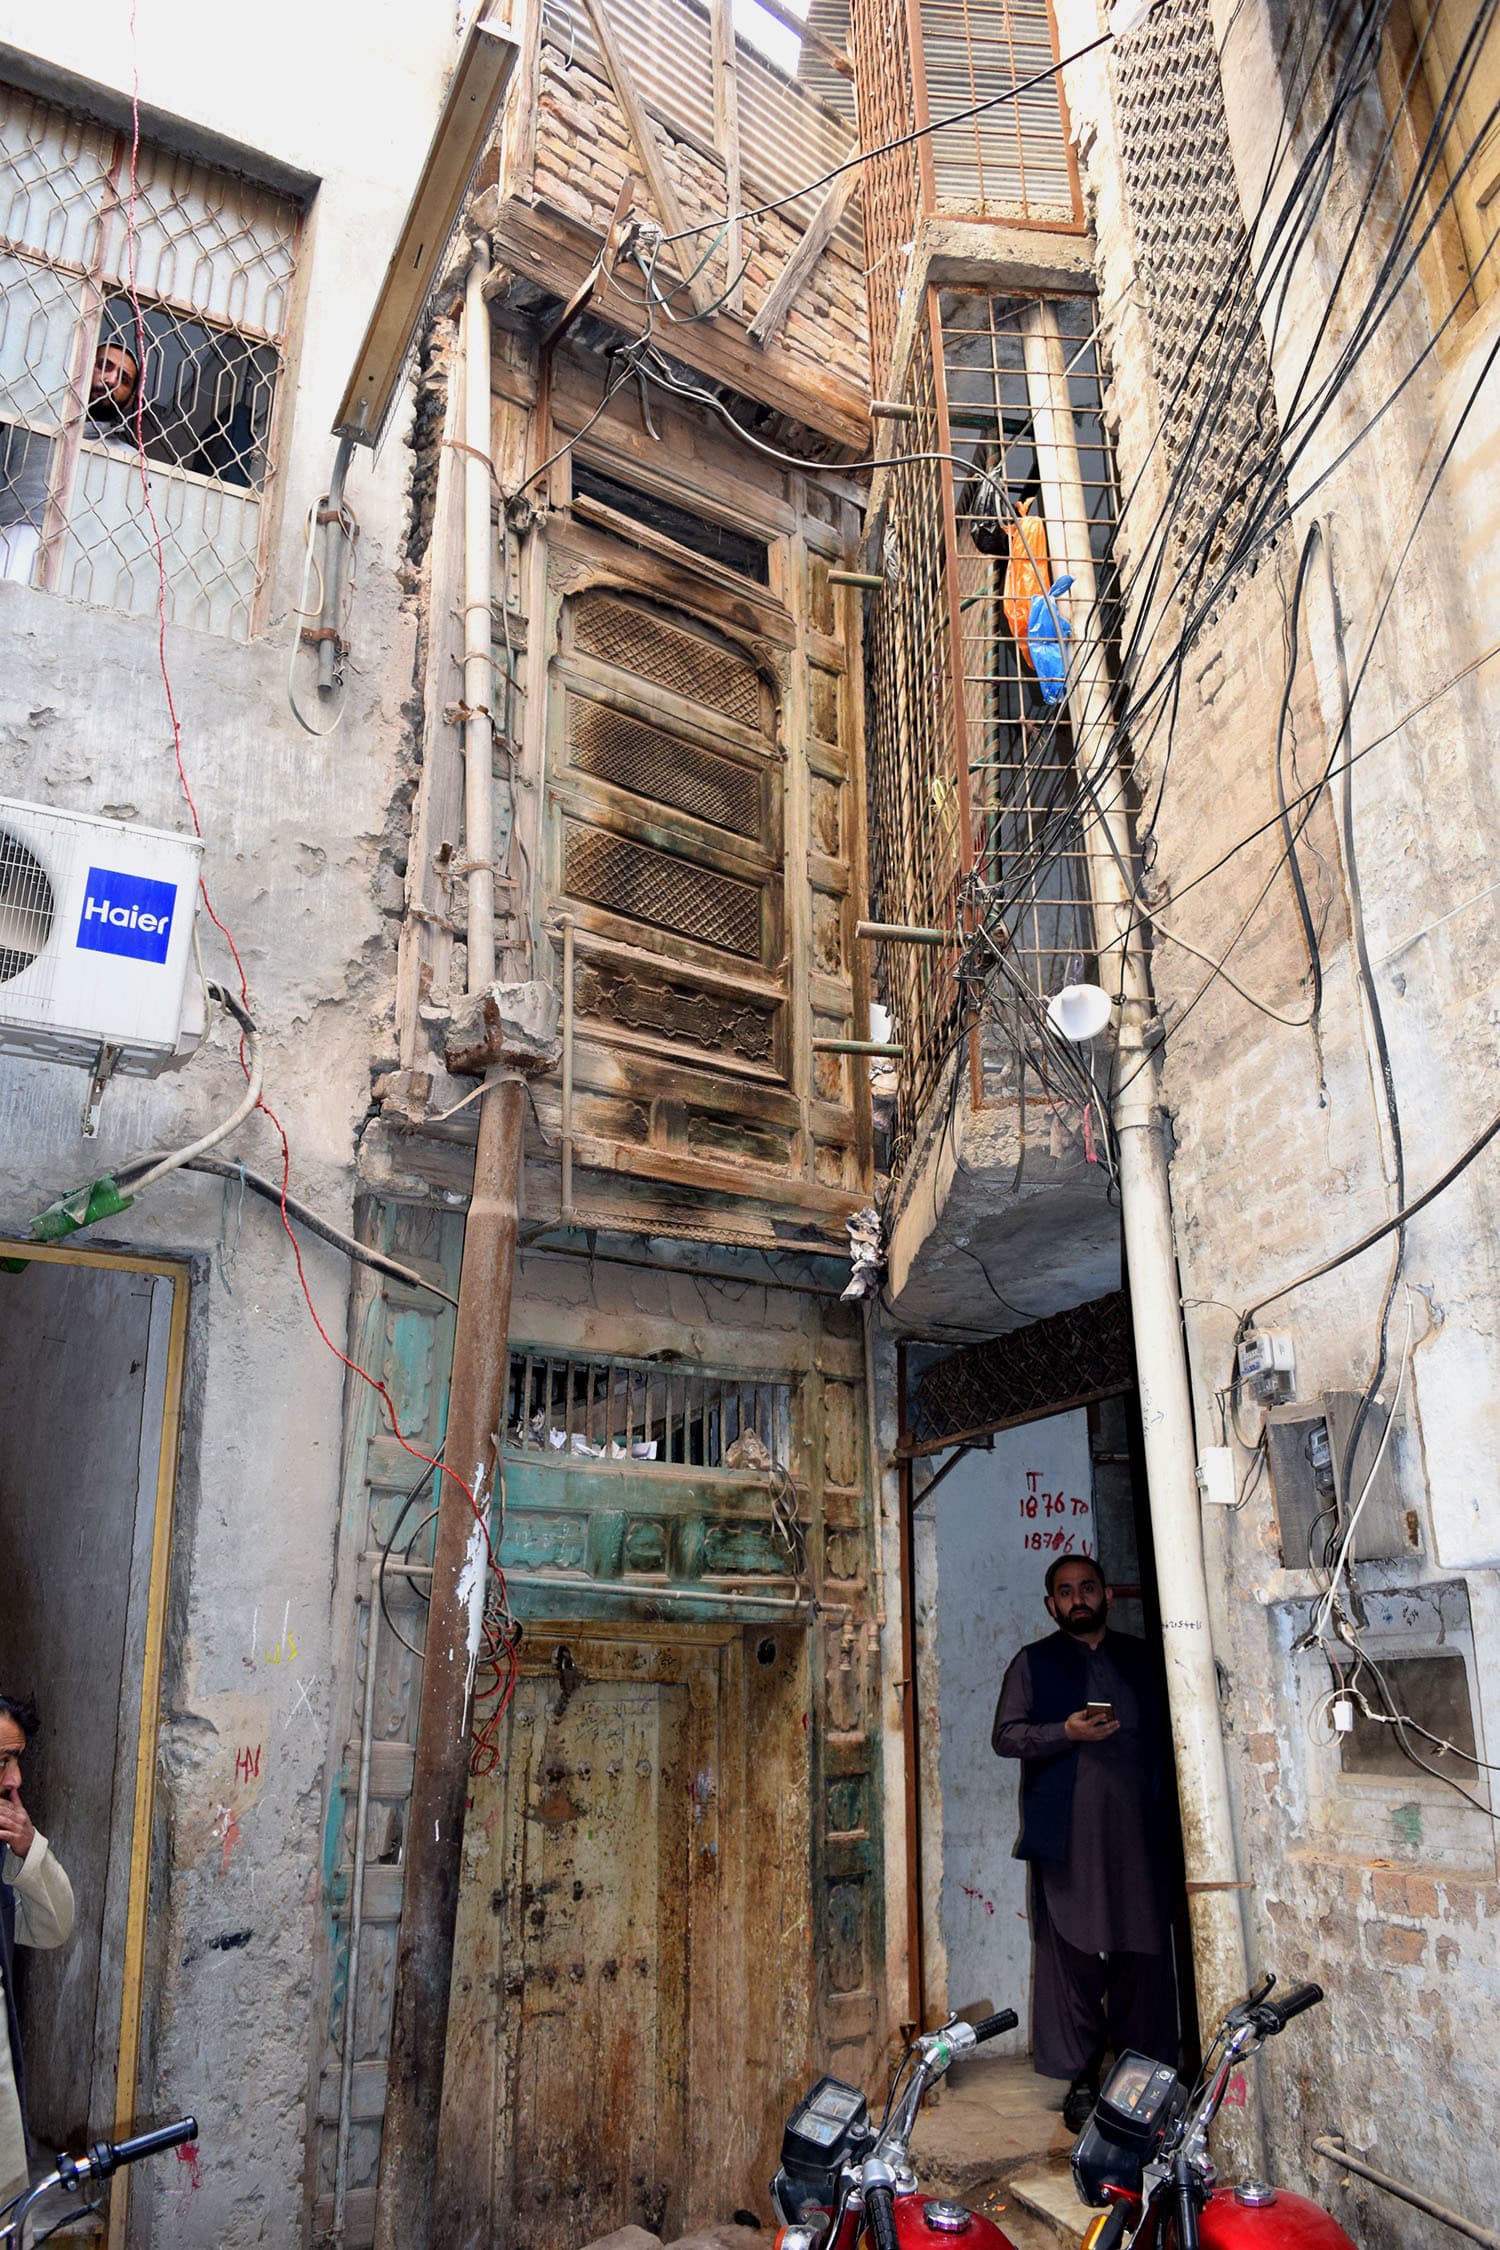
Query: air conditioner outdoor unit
{"points": [[96, 939]]}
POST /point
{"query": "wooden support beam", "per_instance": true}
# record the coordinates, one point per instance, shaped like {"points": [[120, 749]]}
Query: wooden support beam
{"points": [[833, 55], [785, 289], [648, 148], [440, 1777], [545, 245], [727, 142]]}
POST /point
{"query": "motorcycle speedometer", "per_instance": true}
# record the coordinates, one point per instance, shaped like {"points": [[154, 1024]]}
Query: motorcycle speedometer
{"points": [[1128, 2121], [827, 2127], [824, 2126]]}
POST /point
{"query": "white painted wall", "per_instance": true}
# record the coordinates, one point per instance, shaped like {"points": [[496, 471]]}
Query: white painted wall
{"points": [[346, 95], [992, 1515]]}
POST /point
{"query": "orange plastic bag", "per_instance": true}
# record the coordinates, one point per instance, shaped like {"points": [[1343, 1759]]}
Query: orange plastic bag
{"points": [[1027, 573]]}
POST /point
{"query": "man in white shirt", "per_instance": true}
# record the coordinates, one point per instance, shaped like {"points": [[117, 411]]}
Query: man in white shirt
{"points": [[36, 1908]]}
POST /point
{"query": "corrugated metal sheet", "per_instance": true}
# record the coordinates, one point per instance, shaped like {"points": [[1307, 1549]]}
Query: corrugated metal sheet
{"points": [[788, 134], [1013, 159]]}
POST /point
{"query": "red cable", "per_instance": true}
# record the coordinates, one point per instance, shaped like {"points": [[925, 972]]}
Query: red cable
{"points": [[500, 1660]]}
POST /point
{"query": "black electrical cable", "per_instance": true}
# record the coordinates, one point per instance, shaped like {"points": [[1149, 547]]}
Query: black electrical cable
{"points": [[388, 1548], [1354, 688], [1304, 910], [1376, 1017], [1259, 524], [70, 2217], [1400, 1724], [225, 1169]]}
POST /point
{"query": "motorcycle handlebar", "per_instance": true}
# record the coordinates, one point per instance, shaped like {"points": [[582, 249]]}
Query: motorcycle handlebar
{"points": [[151, 2144], [1275, 2015], [880, 2218], [990, 2027], [106, 2157]]}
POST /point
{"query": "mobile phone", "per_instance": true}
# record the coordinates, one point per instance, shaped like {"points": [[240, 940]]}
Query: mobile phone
{"points": [[1098, 1710]]}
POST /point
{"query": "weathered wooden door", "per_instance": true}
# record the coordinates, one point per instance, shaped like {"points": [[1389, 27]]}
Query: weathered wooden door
{"points": [[564, 2110]]}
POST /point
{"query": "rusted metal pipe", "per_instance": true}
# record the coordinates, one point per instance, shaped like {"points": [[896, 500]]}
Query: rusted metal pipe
{"points": [[877, 1479], [892, 410], [905, 933], [435, 1821], [1331, 2147], [712, 1597], [873, 579], [566, 1214], [331, 518], [916, 1968]]}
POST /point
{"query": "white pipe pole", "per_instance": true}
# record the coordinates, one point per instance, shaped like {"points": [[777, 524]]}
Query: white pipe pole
{"points": [[1160, 1350], [479, 595]]}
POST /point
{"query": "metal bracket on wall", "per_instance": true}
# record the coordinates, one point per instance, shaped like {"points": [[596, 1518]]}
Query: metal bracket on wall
{"points": [[975, 1445], [104, 1063]]}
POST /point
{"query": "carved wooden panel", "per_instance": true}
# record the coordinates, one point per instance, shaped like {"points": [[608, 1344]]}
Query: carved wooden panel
{"points": [[631, 998], [642, 884], [635, 638], [651, 763]]}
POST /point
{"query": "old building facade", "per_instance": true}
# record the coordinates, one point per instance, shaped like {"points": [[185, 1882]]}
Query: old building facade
{"points": [[551, 758]]}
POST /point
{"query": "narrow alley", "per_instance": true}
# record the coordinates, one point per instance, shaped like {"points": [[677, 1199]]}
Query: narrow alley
{"points": [[748, 1198]]}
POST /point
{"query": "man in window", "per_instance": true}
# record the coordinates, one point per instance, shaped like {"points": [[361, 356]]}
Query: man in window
{"points": [[26, 455], [114, 389]]}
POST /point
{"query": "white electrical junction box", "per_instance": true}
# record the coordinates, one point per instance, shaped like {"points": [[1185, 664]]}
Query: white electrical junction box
{"points": [[96, 937]]}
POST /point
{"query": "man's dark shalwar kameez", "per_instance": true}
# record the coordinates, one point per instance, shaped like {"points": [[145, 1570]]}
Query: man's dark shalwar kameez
{"points": [[1090, 1828]]}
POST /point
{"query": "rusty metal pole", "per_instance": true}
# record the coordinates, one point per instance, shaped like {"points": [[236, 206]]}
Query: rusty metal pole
{"points": [[435, 1825], [476, 1399]]}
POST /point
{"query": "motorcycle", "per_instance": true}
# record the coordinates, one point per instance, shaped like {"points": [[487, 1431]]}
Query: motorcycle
{"points": [[843, 2181], [1144, 2152], [98, 2163]]}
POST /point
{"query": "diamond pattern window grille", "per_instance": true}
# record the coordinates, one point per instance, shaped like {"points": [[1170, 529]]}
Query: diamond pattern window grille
{"points": [[1047, 1367], [142, 327]]}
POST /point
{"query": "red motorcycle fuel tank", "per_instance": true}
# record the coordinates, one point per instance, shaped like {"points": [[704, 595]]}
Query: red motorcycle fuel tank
{"points": [[927, 2222], [1288, 2223]]}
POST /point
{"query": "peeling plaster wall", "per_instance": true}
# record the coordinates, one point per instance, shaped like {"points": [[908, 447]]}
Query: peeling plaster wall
{"points": [[1384, 1890], [295, 833]]}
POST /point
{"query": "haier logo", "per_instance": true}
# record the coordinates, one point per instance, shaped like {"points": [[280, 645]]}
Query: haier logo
{"points": [[126, 914]]}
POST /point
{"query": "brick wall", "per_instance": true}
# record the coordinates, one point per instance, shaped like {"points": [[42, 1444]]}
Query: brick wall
{"points": [[1385, 1892]]}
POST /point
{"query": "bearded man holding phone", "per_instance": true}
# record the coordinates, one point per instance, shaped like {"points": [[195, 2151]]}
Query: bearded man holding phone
{"points": [[1081, 1711]]}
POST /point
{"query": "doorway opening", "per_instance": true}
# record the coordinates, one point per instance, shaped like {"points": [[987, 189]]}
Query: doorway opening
{"points": [[1019, 1488], [92, 1355]]}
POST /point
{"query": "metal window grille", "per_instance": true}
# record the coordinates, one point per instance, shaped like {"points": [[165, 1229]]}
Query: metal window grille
{"points": [[1014, 369], [1044, 1368], [1219, 426], [146, 317], [921, 59], [918, 846], [643, 1412], [891, 181], [957, 716], [1013, 161]]}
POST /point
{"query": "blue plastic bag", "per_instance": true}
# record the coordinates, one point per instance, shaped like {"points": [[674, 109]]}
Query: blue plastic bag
{"points": [[1047, 635]]}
